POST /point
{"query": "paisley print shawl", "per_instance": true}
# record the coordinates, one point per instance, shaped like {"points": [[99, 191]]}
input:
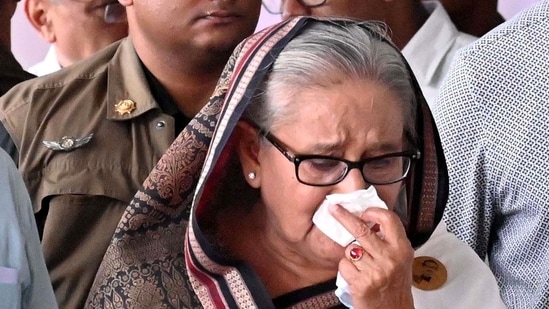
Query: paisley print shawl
{"points": [[159, 257]]}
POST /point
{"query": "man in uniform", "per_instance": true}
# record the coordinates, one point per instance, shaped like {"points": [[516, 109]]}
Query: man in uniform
{"points": [[87, 136]]}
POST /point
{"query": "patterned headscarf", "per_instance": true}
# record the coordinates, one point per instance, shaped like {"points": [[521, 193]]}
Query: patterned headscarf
{"points": [[159, 257]]}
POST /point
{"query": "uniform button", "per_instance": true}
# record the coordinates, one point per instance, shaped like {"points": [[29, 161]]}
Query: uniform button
{"points": [[428, 273], [161, 124]]}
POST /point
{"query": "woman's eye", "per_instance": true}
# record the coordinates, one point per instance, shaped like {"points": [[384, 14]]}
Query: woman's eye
{"points": [[323, 164], [382, 163]]}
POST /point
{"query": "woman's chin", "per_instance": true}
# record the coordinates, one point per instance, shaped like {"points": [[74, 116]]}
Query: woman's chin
{"points": [[324, 248], [330, 250]]}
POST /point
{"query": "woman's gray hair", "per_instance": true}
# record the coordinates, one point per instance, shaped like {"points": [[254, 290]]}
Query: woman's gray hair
{"points": [[323, 55]]}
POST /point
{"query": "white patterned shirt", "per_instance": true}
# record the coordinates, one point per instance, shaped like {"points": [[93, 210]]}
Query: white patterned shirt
{"points": [[493, 118]]}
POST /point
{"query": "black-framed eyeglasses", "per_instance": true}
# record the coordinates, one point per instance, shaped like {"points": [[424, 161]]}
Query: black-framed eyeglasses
{"points": [[115, 13], [275, 6], [319, 170], [111, 13]]}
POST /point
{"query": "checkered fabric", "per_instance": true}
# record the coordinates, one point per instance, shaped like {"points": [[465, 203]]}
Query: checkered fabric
{"points": [[493, 117]]}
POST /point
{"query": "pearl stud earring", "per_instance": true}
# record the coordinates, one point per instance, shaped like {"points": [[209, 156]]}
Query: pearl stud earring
{"points": [[251, 175]]}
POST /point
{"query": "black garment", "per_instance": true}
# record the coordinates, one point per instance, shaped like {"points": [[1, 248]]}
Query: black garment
{"points": [[11, 74], [166, 102], [298, 296], [7, 144]]}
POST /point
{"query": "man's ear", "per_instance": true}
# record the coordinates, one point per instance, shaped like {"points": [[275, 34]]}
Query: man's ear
{"points": [[37, 14], [248, 152]]}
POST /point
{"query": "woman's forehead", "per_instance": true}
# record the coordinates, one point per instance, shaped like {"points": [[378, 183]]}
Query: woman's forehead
{"points": [[345, 113], [350, 99]]}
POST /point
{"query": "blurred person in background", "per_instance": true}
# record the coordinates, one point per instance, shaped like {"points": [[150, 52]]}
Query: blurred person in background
{"points": [[11, 72], [475, 17], [422, 30], [76, 29]]}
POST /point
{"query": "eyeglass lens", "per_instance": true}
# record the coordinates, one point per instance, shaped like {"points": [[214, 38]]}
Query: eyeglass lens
{"points": [[115, 13], [326, 171]]}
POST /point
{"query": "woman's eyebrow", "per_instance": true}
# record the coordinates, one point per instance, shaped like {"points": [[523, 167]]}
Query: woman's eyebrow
{"points": [[326, 147], [376, 149], [386, 147]]}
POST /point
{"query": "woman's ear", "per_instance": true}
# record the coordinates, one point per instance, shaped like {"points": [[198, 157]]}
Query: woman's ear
{"points": [[37, 14], [248, 151]]}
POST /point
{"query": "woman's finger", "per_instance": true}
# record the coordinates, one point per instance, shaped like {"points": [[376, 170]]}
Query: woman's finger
{"points": [[360, 229], [387, 224]]}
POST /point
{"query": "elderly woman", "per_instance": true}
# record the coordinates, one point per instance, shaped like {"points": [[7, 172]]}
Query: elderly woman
{"points": [[311, 108]]}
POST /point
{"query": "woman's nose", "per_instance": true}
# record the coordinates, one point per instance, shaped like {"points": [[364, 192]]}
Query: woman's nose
{"points": [[293, 8], [352, 182]]}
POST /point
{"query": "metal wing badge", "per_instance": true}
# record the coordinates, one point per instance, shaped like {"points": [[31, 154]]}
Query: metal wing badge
{"points": [[68, 143]]}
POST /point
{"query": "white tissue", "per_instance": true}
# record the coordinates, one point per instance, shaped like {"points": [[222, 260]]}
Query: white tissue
{"points": [[342, 291], [355, 202]]}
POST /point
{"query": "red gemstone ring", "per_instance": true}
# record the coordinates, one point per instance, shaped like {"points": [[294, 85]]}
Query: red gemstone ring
{"points": [[356, 254]]}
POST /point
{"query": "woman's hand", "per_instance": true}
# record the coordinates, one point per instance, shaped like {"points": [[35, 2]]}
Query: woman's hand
{"points": [[382, 275]]}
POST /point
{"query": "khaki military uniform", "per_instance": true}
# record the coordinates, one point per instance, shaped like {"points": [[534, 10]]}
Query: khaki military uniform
{"points": [[85, 187]]}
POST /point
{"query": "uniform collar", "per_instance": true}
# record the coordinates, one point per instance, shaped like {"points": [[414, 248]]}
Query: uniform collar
{"points": [[127, 81]]}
